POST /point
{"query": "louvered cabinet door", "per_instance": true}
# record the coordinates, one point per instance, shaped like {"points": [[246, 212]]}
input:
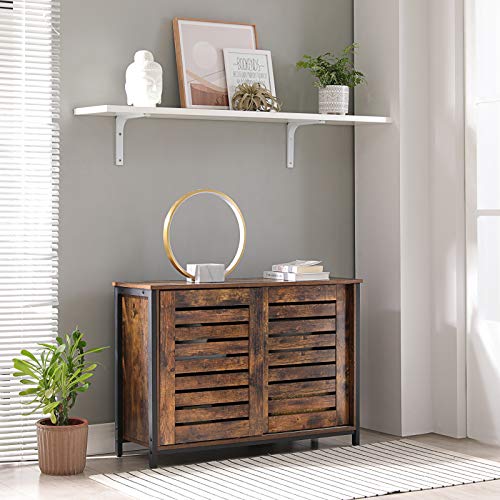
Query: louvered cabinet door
{"points": [[211, 365], [302, 357]]}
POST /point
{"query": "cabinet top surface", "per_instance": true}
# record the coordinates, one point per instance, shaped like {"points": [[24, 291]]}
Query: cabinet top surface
{"points": [[233, 283]]}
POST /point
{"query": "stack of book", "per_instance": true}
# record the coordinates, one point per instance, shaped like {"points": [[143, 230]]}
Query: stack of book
{"points": [[298, 270]]}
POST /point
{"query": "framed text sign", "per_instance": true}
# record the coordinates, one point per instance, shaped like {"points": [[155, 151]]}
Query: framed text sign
{"points": [[248, 66]]}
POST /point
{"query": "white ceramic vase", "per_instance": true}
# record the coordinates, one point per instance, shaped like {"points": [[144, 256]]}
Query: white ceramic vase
{"points": [[334, 100]]}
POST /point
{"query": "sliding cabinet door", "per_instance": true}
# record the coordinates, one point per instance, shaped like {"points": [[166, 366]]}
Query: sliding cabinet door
{"points": [[211, 365], [302, 356]]}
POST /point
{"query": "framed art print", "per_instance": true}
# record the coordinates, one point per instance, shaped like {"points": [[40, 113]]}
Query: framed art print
{"points": [[199, 48], [248, 66]]}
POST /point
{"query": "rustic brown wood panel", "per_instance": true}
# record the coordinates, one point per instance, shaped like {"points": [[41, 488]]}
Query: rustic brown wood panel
{"points": [[301, 341], [211, 316], [301, 405], [212, 298], [211, 397], [211, 365], [301, 389], [215, 413], [257, 361], [302, 293], [166, 371], [342, 363], [301, 372], [301, 357], [211, 348], [210, 432], [134, 323], [302, 310], [301, 421], [302, 326], [219, 380], [211, 332]]}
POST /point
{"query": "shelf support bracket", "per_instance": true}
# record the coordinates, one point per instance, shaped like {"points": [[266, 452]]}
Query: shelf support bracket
{"points": [[121, 121], [290, 145]]}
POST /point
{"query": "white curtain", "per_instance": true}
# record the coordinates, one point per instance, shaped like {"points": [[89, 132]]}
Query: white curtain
{"points": [[483, 218], [29, 201]]}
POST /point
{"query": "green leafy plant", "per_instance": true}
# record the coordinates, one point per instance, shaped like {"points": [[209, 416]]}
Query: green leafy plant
{"points": [[57, 374], [333, 70]]}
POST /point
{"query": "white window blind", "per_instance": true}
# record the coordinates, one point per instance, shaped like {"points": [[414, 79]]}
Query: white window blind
{"points": [[29, 201]]}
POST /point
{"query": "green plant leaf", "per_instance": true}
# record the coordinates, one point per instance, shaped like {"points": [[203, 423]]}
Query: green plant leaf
{"points": [[31, 356], [30, 364], [80, 379], [27, 381], [48, 346], [51, 407], [24, 367], [96, 350], [33, 401], [34, 410], [27, 392], [80, 357]]}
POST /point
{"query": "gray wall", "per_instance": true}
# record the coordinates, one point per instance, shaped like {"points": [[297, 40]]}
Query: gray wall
{"points": [[112, 218]]}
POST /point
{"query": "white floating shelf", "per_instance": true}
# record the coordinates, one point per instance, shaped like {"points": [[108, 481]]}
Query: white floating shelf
{"points": [[293, 120]]}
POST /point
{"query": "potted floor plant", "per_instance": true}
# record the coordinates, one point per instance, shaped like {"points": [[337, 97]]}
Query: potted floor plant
{"points": [[335, 75], [54, 377]]}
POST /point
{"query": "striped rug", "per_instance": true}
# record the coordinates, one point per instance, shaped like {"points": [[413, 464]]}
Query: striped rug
{"points": [[337, 473]]}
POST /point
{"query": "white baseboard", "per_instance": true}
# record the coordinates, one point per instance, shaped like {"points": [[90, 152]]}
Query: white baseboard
{"points": [[102, 440]]}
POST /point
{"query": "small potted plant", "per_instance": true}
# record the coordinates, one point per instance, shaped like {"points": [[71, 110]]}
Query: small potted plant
{"points": [[335, 76], [254, 97], [55, 376]]}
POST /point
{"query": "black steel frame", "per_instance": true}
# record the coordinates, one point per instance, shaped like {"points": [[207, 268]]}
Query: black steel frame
{"points": [[356, 436], [154, 451], [118, 376]]}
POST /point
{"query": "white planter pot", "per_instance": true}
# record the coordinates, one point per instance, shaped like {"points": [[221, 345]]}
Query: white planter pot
{"points": [[334, 100]]}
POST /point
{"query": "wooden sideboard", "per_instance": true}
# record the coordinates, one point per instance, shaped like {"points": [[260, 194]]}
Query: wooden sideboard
{"points": [[236, 363]]}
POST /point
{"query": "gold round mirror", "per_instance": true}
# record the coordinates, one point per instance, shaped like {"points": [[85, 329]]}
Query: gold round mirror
{"points": [[237, 213]]}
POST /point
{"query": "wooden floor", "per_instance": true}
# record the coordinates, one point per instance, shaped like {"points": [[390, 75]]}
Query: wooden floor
{"points": [[22, 481]]}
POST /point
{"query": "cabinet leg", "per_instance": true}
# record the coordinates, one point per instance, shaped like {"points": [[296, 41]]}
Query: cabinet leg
{"points": [[356, 438], [314, 444], [153, 459], [118, 376], [118, 448]]}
